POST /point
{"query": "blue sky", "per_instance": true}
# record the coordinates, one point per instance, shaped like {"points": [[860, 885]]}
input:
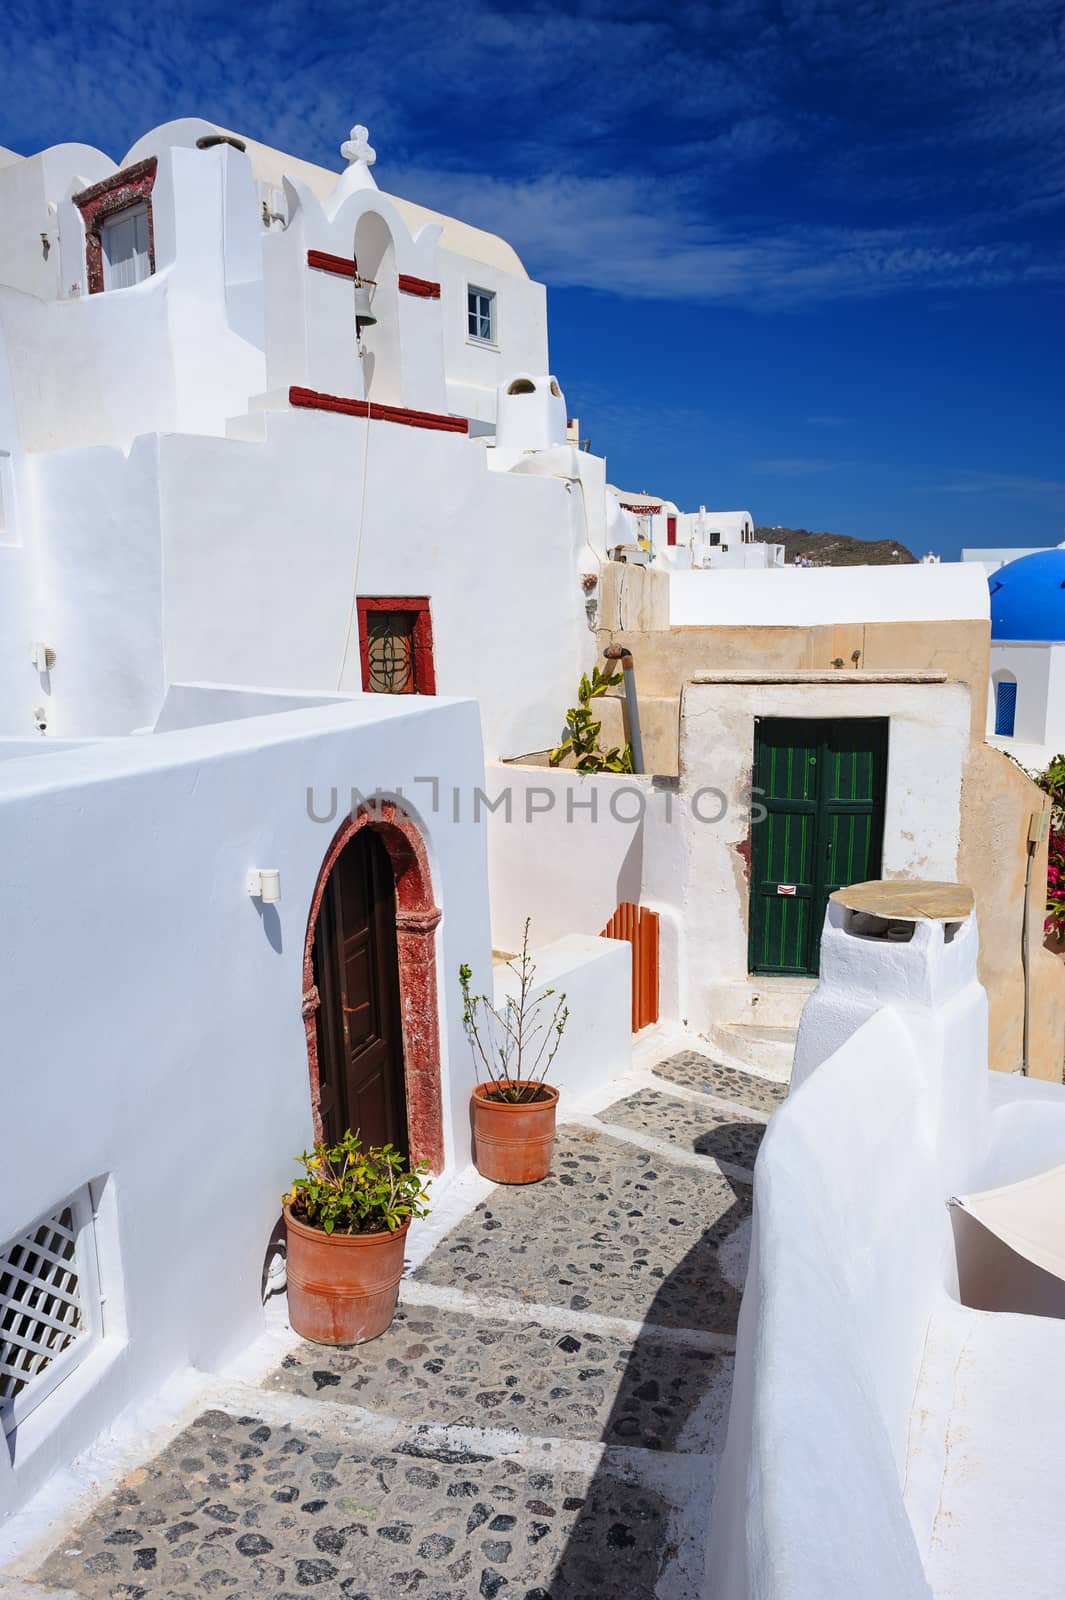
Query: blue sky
{"points": [[804, 258]]}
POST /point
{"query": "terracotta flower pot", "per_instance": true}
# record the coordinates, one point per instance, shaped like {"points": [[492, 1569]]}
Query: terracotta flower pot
{"points": [[512, 1142], [342, 1287]]}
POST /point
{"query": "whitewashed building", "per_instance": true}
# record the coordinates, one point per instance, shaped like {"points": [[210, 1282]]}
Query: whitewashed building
{"points": [[1026, 711], [678, 540], [251, 550], [206, 478], [299, 557]]}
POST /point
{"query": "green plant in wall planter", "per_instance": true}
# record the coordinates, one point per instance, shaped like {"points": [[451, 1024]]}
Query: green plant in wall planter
{"points": [[582, 731], [512, 1112]]}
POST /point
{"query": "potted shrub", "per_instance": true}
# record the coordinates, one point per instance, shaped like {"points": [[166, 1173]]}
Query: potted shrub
{"points": [[346, 1220], [513, 1110]]}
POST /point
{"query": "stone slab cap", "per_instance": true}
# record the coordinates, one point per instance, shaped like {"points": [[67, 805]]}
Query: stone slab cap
{"points": [[908, 899]]}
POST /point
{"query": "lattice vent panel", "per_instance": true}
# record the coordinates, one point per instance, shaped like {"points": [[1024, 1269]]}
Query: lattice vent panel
{"points": [[40, 1301]]}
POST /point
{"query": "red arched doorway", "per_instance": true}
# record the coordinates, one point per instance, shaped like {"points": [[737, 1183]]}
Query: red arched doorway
{"points": [[370, 947]]}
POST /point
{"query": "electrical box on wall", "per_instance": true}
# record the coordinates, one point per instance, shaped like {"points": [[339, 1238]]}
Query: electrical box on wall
{"points": [[1038, 826]]}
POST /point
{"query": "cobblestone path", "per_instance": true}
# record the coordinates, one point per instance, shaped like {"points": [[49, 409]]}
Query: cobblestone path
{"points": [[541, 1422]]}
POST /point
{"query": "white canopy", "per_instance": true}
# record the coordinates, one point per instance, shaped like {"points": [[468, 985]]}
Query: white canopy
{"points": [[1029, 1217]]}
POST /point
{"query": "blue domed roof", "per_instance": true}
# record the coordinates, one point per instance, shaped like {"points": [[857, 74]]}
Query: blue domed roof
{"points": [[1028, 597]]}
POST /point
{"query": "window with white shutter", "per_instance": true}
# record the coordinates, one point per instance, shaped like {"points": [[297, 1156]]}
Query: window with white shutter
{"points": [[125, 247]]}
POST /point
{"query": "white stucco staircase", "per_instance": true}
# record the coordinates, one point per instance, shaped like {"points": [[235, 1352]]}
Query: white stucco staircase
{"points": [[251, 426], [755, 1022]]}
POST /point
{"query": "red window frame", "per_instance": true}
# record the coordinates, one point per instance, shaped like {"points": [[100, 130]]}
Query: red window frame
{"points": [[105, 200], [671, 530], [424, 666]]}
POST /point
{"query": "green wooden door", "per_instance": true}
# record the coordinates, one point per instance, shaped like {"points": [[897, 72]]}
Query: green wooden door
{"points": [[822, 785]]}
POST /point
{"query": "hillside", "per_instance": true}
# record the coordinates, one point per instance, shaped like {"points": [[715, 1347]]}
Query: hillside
{"points": [[836, 549]]}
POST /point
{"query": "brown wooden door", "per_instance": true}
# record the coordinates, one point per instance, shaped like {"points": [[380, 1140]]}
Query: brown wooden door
{"points": [[356, 970]]}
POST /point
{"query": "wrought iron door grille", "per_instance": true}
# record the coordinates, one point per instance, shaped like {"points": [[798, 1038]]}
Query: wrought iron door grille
{"points": [[390, 637], [43, 1310]]}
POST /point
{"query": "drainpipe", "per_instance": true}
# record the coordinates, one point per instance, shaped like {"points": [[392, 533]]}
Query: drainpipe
{"points": [[617, 652], [1038, 826]]}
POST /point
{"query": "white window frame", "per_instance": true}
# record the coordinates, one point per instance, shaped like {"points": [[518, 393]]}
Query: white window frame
{"points": [[116, 218], [90, 1302], [492, 342]]}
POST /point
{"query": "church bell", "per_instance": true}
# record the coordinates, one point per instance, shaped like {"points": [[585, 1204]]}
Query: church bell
{"points": [[364, 317]]}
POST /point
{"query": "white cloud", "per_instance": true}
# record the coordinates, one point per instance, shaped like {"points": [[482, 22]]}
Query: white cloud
{"points": [[1008, 483], [634, 237]]}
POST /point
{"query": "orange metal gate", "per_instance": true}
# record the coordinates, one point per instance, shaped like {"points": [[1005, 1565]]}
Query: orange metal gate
{"points": [[640, 927]]}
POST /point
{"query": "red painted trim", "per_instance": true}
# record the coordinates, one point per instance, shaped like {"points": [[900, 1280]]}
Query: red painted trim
{"points": [[424, 288], [312, 400], [105, 199], [417, 917], [342, 266], [671, 530], [424, 665], [645, 510]]}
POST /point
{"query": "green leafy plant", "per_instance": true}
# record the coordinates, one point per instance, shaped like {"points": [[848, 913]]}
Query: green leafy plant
{"points": [[347, 1189], [1052, 782], [518, 1041], [582, 731]]}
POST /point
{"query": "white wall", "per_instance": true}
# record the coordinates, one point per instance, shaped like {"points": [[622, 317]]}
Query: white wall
{"points": [[260, 573], [808, 597], [928, 742], [1029, 666], [852, 1249], [565, 849], [98, 562], [19, 684], [474, 370], [594, 976], [162, 354], [195, 705], [993, 557], [31, 190], [161, 1006]]}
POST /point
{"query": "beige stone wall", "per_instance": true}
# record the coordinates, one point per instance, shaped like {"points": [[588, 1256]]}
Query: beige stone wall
{"points": [[997, 801], [997, 797]]}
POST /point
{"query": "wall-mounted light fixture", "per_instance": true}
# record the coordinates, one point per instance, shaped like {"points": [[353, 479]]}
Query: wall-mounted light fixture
{"points": [[264, 883], [42, 656]]}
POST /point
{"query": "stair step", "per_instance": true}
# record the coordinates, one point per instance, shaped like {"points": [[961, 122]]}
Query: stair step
{"points": [[250, 428], [766, 1049], [764, 1002], [269, 400]]}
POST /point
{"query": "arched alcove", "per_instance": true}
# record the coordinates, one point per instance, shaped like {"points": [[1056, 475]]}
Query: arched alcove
{"points": [[1005, 686], [375, 258], [416, 917]]}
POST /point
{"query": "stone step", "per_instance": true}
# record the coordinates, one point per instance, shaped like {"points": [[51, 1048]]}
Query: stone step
{"points": [[464, 1369], [613, 1230], [767, 1050], [235, 1504], [722, 1079], [706, 1130], [768, 1002]]}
